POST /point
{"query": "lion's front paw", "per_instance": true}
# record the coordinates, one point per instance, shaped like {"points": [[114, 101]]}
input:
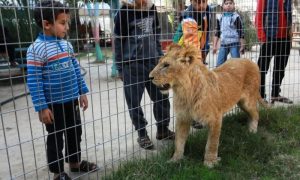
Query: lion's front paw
{"points": [[252, 130], [210, 163], [253, 127], [174, 159]]}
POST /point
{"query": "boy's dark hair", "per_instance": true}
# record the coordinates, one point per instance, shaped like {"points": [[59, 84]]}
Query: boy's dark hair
{"points": [[227, 0], [48, 10]]}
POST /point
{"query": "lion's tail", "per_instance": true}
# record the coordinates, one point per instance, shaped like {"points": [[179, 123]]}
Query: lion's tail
{"points": [[263, 102]]}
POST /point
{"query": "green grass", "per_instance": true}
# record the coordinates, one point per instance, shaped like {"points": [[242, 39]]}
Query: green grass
{"points": [[272, 153]]}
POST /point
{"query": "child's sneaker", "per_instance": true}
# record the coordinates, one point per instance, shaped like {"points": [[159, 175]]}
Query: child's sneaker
{"points": [[62, 176], [145, 142], [196, 125], [281, 99], [165, 134]]}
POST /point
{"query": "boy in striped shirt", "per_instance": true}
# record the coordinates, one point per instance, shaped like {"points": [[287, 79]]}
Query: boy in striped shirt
{"points": [[55, 84]]}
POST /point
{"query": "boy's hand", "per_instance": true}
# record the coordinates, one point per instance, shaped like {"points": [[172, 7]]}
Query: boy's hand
{"points": [[242, 50], [46, 116], [83, 101], [120, 75], [215, 50]]}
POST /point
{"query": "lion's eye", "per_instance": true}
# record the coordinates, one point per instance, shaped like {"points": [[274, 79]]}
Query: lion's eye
{"points": [[165, 65]]}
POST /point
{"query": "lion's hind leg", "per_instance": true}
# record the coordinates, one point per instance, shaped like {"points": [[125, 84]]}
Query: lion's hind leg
{"points": [[249, 105], [181, 134]]}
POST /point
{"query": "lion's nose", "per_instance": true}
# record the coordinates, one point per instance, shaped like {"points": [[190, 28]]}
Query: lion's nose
{"points": [[151, 78]]}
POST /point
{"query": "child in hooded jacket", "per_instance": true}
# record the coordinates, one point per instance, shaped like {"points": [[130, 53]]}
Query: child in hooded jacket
{"points": [[137, 50], [230, 33], [197, 13]]}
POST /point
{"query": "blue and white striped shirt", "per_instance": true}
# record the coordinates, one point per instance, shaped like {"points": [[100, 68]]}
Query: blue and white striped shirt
{"points": [[53, 73]]}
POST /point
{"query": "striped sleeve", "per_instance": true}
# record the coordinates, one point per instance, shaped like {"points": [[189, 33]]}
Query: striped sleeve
{"points": [[35, 79]]}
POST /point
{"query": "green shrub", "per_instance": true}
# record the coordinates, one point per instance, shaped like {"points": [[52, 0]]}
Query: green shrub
{"points": [[250, 31], [20, 24]]}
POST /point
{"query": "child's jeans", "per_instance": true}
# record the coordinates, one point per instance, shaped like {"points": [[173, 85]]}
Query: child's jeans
{"points": [[66, 123], [234, 50]]}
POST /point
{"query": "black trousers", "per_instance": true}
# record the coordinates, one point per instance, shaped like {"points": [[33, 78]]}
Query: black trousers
{"points": [[66, 123], [280, 50], [136, 79]]}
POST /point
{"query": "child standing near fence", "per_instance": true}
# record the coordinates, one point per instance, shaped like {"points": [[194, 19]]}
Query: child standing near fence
{"points": [[55, 84], [137, 50], [230, 32], [194, 27], [273, 21]]}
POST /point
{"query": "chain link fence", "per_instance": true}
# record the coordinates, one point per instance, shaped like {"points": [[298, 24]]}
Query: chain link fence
{"points": [[108, 136]]}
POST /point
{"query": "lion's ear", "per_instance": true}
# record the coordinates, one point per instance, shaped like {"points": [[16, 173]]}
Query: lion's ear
{"points": [[173, 46], [188, 55], [185, 60]]}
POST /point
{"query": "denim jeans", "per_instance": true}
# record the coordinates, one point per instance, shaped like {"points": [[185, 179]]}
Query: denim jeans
{"points": [[234, 50]]}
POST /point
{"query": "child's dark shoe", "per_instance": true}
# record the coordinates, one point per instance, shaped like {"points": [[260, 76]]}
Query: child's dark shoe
{"points": [[145, 142], [281, 99], [85, 166], [165, 134], [62, 176], [196, 125]]}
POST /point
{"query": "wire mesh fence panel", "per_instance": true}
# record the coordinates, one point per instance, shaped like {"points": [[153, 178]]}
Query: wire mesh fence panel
{"points": [[109, 48]]}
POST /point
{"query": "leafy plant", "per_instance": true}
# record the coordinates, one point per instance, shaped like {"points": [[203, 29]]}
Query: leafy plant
{"points": [[250, 31], [20, 24]]}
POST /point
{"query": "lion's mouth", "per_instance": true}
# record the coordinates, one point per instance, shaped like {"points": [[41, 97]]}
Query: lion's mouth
{"points": [[164, 87]]}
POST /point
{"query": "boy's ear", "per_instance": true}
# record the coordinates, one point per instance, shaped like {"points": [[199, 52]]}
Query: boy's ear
{"points": [[46, 24]]}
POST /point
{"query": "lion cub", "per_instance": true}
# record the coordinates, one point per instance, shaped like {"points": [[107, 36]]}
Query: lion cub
{"points": [[205, 95]]}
